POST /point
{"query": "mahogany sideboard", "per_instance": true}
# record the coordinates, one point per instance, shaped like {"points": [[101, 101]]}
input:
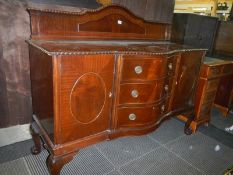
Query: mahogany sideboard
{"points": [[214, 88], [102, 74]]}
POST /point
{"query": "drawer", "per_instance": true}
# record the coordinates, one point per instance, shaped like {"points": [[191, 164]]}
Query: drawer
{"points": [[212, 85], [209, 97], [135, 93], [139, 116], [215, 71], [147, 68]]}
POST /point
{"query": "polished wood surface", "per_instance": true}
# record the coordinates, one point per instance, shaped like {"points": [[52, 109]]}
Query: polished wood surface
{"points": [[41, 66], [155, 67], [150, 92], [214, 87], [101, 90], [186, 79], [85, 83], [141, 116], [113, 22]]}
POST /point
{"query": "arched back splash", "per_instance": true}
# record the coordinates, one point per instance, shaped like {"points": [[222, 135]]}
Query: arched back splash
{"points": [[110, 22]]}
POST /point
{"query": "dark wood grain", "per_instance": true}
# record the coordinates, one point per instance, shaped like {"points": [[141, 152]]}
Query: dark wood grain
{"points": [[55, 163], [104, 90], [41, 66], [122, 24], [149, 92], [214, 88], [34, 130], [186, 80], [144, 115], [92, 77], [112, 23], [152, 67]]}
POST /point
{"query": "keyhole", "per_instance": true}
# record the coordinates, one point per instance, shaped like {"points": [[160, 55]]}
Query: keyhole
{"points": [[119, 22]]}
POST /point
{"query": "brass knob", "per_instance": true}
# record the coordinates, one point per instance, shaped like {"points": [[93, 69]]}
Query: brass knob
{"points": [[170, 66], [132, 116], [138, 69], [134, 93], [110, 94], [166, 87]]}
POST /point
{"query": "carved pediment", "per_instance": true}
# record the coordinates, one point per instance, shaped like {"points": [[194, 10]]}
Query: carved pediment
{"points": [[111, 22]]}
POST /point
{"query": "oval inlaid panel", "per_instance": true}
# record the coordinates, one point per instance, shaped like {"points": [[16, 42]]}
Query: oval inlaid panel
{"points": [[87, 98]]}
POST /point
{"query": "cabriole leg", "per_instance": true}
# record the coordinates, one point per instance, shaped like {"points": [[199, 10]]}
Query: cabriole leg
{"points": [[187, 128], [55, 163], [36, 149]]}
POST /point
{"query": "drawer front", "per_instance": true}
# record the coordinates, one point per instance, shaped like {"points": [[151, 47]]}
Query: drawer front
{"points": [[140, 116], [212, 85], [132, 93], [209, 97], [215, 71], [147, 68]]}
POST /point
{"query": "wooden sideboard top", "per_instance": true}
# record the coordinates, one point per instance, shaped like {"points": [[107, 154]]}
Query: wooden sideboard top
{"points": [[211, 61], [108, 47]]}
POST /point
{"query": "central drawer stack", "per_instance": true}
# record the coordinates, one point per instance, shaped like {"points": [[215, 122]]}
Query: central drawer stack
{"points": [[144, 89]]}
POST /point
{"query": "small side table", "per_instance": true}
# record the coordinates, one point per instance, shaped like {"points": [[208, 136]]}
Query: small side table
{"points": [[214, 88]]}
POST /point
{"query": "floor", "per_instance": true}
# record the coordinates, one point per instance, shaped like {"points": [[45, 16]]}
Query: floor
{"points": [[163, 152], [221, 122], [14, 134]]}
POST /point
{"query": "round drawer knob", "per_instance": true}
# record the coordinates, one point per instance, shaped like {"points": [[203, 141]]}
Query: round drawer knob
{"points": [[170, 66], [134, 93], [132, 117], [138, 69], [166, 87]]}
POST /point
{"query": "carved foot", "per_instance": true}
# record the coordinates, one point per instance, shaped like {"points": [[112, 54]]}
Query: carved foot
{"points": [[55, 163], [36, 149], [187, 128], [188, 131]]}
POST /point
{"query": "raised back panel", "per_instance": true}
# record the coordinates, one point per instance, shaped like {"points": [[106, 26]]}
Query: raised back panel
{"points": [[111, 22]]}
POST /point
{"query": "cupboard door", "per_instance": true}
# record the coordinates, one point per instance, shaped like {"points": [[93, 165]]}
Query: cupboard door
{"points": [[186, 79], [85, 103]]}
